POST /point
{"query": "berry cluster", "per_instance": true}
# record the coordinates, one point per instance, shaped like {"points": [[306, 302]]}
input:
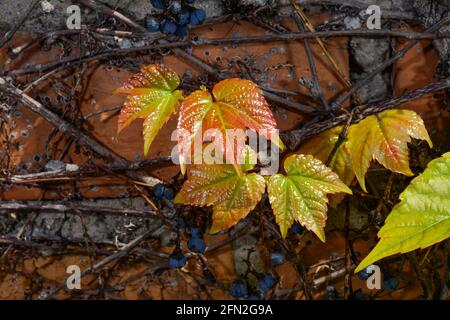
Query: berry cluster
{"points": [[196, 244], [176, 17]]}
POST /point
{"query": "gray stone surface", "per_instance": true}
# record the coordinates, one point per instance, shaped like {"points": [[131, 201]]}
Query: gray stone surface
{"points": [[429, 13], [96, 227], [247, 257], [368, 54]]}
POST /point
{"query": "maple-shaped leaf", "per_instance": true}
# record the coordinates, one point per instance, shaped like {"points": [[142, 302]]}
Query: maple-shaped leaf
{"points": [[321, 147], [300, 195], [421, 219], [152, 95], [219, 185], [384, 137], [233, 104]]}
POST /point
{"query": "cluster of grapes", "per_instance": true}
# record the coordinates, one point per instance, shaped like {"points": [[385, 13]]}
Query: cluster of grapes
{"points": [[176, 17], [239, 289]]}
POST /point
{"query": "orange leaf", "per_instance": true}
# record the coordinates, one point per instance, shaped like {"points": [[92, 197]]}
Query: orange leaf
{"points": [[219, 185], [384, 137], [233, 104]]}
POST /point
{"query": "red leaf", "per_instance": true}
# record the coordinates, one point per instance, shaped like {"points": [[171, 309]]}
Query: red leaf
{"points": [[233, 104]]}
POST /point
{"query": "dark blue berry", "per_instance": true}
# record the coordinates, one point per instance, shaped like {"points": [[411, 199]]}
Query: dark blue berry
{"points": [[158, 191], [196, 245], [277, 258], [297, 228], [267, 282], [158, 4], [177, 259], [197, 17], [183, 18], [175, 7], [195, 233], [238, 289], [390, 283], [331, 293], [168, 26], [181, 31], [151, 24], [365, 273], [190, 1]]}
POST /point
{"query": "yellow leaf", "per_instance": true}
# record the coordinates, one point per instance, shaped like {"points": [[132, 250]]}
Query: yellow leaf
{"points": [[321, 146], [384, 137]]}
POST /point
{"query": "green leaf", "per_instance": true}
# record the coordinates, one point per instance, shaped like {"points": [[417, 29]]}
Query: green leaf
{"points": [[300, 195], [421, 219], [219, 185], [384, 137], [151, 96]]}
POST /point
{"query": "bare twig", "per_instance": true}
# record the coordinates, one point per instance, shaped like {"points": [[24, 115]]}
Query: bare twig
{"points": [[122, 252], [70, 207], [317, 92], [163, 44], [52, 249], [73, 132], [317, 283], [341, 75], [69, 171]]}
